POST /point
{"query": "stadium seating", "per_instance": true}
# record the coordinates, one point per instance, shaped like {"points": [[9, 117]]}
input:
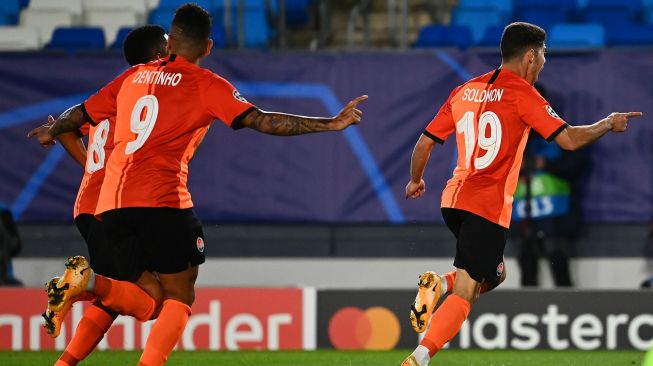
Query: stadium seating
{"points": [[9, 10], [442, 36], [297, 12], [139, 7], [73, 7], [612, 16], [492, 36], [45, 21], [74, 39], [632, 5], [569, 35], [162, 17], [503, 6], [110, 20], [630, 35], [174, 4], [544, 17], [19, 39], [477, 20], [120, 38], [256, 23]]}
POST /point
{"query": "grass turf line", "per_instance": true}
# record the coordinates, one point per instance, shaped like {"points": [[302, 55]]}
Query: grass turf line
{"points": [[344, 358]]}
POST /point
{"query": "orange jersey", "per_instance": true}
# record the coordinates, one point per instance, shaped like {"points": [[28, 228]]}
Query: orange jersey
{"points": [[492, 116], [163, 111], [100, 146]]}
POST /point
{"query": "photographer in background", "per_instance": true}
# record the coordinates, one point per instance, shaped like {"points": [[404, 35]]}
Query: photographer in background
{"points": [[10, 245], [547, 215]]}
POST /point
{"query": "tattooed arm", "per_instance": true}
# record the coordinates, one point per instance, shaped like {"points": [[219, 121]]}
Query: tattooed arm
{"points": [[70, 120], [282, 124]]}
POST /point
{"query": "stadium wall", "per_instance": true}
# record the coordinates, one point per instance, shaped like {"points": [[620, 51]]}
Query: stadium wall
{"points": [[357, 176]]}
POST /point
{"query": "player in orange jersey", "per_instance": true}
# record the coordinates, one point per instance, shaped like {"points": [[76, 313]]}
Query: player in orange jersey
{"points": [[491, 116], [163, 111], [142, 45]]}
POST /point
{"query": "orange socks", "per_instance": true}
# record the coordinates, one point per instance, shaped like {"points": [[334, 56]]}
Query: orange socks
{"points": [[451, 276], [88, 334], [166, 332], [446, 323], [124, 297]]}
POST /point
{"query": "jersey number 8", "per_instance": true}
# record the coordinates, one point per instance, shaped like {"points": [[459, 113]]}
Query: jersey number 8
{"points": [[490, 144], [142, 125], [96, 155]]}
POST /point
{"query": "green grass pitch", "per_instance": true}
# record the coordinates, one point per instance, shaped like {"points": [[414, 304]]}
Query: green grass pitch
{"points": [[345, 358]]}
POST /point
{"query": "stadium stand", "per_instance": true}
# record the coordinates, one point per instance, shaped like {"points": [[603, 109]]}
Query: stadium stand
{"points": [[19, 39], [138, 7], [9, 10], [74, 39], [45, 21], [569, 35], [120, 38], [73, 7], [477, 20], [492, 36], [111, 20], [441, 36]]}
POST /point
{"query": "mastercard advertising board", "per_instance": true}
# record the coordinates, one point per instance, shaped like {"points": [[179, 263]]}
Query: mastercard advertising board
{"points": [[365, 320]]}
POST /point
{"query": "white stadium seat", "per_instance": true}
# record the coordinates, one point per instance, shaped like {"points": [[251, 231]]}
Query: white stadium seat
{"points": [[72, 6], [111, 21], [18, 39], [136, 6], [45, 21]]}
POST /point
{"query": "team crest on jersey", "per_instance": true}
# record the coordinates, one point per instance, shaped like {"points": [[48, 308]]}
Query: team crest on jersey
{"points": [[239, 97], [552, 112], [200, 244], [500, 269]]}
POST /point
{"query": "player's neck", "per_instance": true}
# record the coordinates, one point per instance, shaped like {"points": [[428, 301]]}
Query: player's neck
{"points": [[192, 60], [517, 68]]}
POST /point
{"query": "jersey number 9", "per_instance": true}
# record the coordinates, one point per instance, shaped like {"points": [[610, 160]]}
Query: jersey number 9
{"points": [[142, 125]]}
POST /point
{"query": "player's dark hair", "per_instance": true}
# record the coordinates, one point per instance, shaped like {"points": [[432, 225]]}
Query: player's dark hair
{"points": [[519, 37], [191, 27], [143, 43]]}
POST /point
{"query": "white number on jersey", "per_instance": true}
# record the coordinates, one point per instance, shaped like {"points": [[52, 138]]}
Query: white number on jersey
{"points": [[142, 127], [490, 144], [96, 155]]}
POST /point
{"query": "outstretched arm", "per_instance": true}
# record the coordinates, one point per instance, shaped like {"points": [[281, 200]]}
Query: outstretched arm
{"points": [[421, 153], [576, 137], [283, 124], [70, 120]]}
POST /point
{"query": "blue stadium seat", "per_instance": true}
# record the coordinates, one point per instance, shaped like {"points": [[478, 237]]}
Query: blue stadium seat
{"points": [[503, 6], [257, 25], [9, 10], [632, 5], [209, 5], [298, 12], [442, 36], [120, 38], [477, 19], [162, 17], [569, 35], [566, 6], [492, 36], [544, 17], [631, 35], [608, 16], [73, 39], [219, 37]]}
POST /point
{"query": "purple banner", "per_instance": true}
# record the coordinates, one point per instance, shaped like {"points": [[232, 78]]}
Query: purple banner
{"points": [[353, 176]]}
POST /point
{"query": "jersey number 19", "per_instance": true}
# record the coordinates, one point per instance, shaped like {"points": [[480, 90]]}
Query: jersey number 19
{"points": [[490, 143]]}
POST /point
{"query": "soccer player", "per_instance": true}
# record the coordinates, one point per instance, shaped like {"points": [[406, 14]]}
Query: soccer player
{"points": [[491, 116], [163, 111], [142, 45]]}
